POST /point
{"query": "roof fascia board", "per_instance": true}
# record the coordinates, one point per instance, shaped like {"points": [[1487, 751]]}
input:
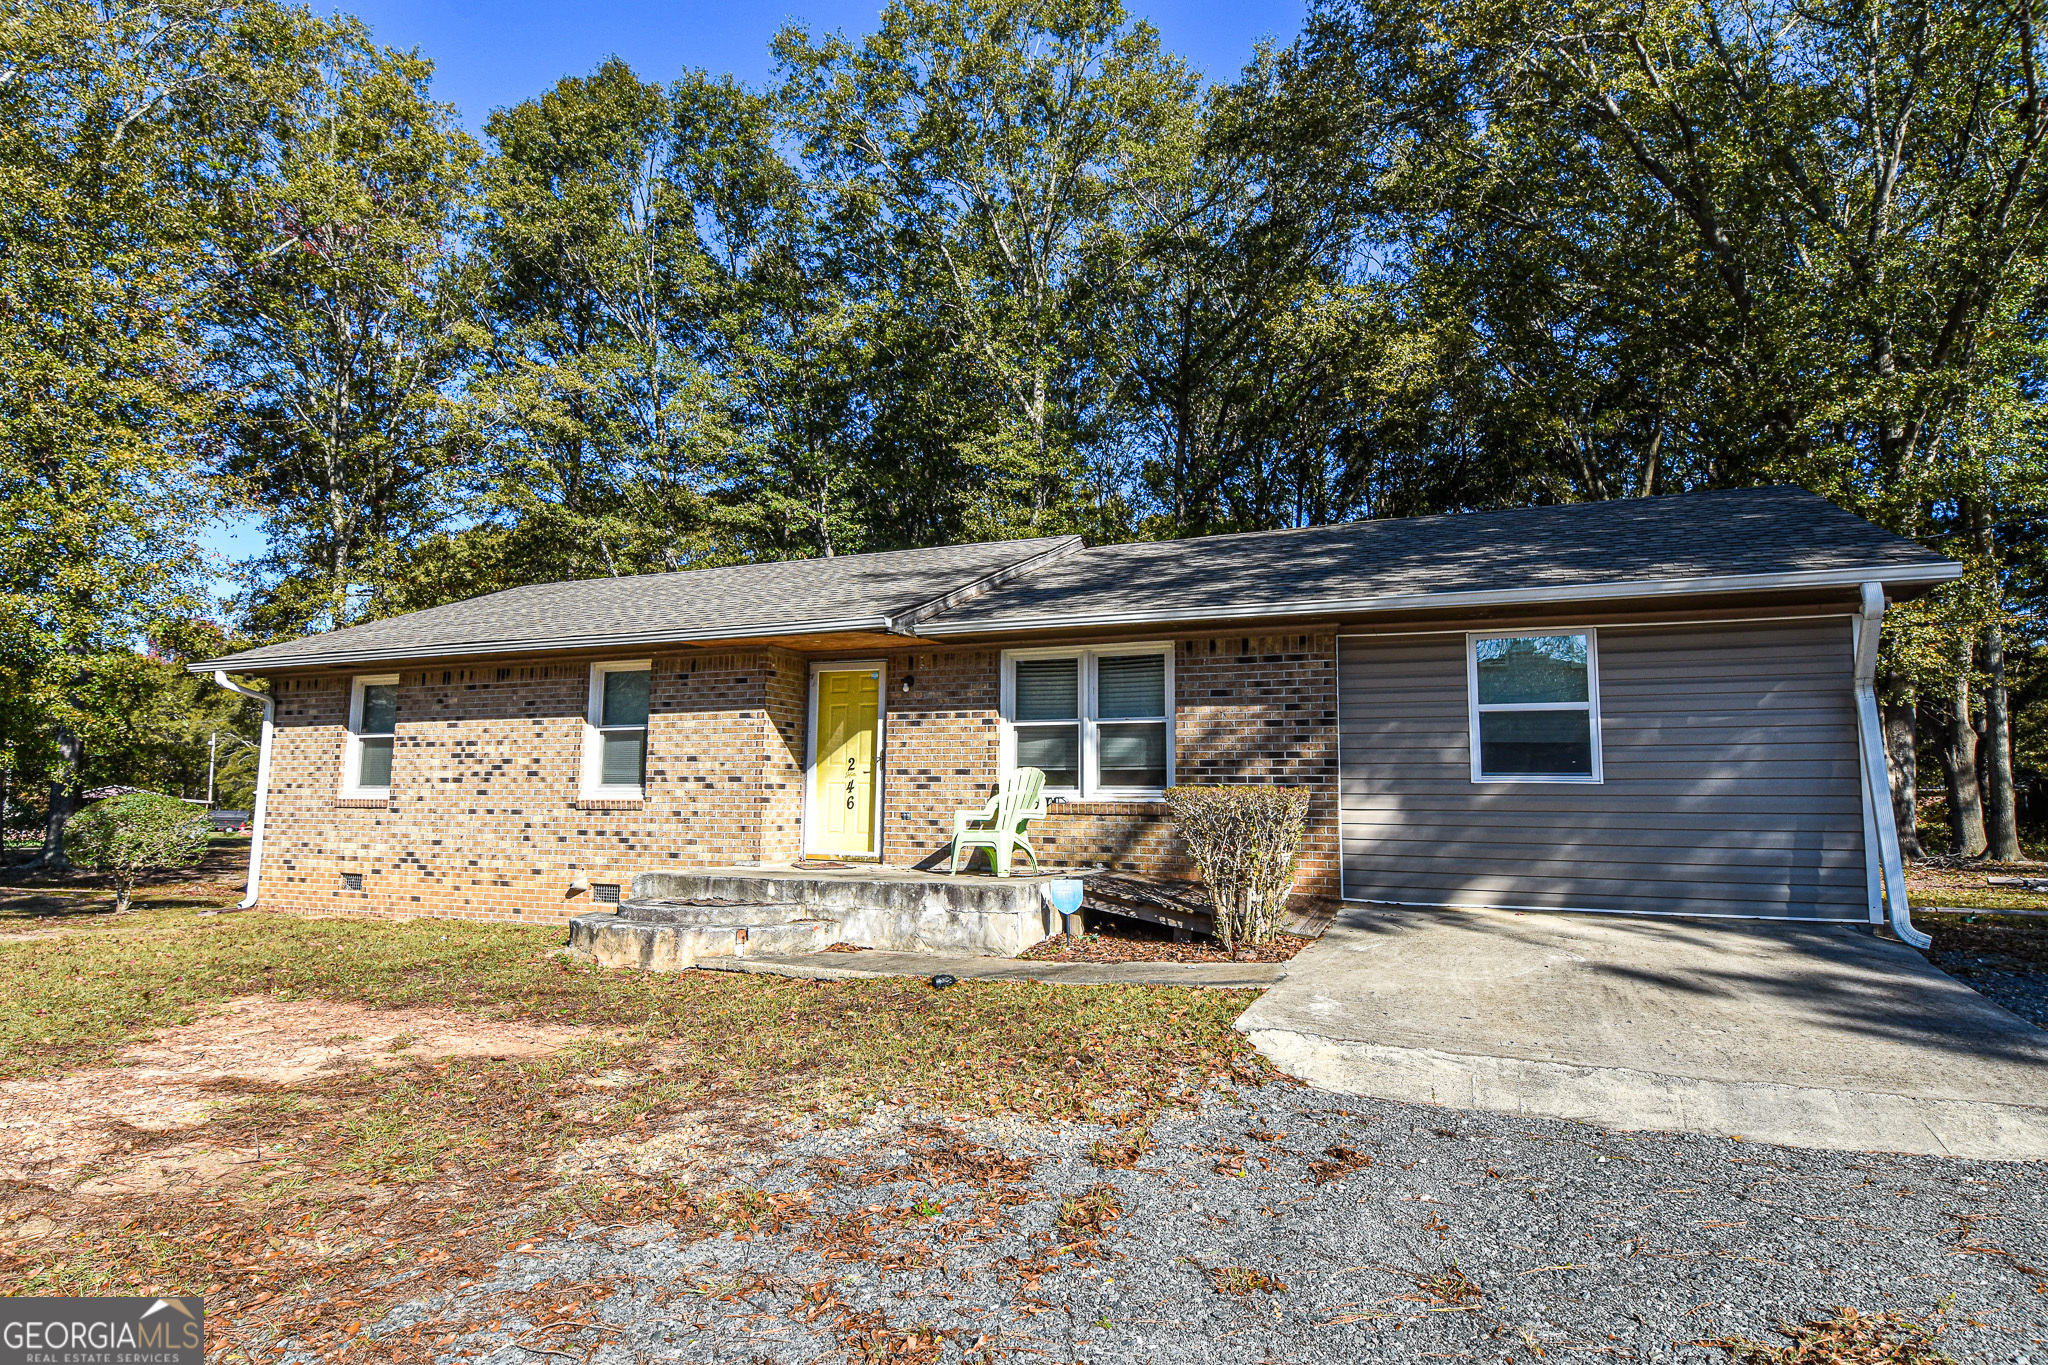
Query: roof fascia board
{"points": [[1452, 601], [550, 644], [905, 623]]}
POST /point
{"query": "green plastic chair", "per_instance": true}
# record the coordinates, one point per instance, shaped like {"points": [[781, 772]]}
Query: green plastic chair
{"points": [[1018, 801]]}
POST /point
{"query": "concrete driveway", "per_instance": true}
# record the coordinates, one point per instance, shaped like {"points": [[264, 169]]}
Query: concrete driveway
{"points": [[1814, 1036]]}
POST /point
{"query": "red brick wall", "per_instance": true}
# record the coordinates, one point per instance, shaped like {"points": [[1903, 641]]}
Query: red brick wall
{"points": [[942, 747], [1247, 709], [1263, 708], [484, 819], [785, 703]]}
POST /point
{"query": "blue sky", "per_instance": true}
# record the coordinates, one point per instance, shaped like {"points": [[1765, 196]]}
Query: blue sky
{"points": [[487, 55], [491, 54]]}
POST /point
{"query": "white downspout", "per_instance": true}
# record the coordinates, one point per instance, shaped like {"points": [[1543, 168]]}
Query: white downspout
{"points": [[1877, 787], [262, 782]]}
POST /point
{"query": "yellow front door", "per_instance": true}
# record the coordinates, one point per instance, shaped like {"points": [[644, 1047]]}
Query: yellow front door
{"points": [[843, 791]]}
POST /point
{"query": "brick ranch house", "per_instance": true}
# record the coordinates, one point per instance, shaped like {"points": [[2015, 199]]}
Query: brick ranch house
{"points": [[1659, 705]]}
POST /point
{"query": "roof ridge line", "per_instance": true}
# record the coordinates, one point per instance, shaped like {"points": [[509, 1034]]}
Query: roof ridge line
{"points": [[681, 573], [906, 623], [1474, 512]]}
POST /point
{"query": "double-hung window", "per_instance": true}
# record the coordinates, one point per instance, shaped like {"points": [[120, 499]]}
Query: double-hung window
{"points": [[1535, 702], [615, 741], [1097, 722], [372, 730]]}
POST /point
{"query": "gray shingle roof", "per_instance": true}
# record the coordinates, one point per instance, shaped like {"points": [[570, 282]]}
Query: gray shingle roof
{"points": [[788, 597], [1699, 542], [1695, 542]]}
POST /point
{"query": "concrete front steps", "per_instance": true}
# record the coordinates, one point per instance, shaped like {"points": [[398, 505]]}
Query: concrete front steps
{"points": [[669, 936], [675, 920]]}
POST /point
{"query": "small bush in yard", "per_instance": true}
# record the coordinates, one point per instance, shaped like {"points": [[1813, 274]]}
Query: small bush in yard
{"points": [[1244, 841], [141, 832]]}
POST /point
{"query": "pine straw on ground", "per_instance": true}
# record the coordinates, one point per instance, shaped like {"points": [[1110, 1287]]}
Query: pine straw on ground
{"points": [[1117, 946], [2017, 941], [324, 1201]]}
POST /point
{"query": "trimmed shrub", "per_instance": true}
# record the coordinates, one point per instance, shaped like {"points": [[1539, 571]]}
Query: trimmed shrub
{"points": [[1244, 840], [129, 836]]}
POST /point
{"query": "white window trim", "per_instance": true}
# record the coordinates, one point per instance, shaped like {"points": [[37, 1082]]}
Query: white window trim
{"points": [[1091, 788], [593, 751], [352, 748], [813, 821], [1591, 706]]}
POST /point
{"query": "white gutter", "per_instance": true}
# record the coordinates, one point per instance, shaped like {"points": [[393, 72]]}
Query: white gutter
{"points": [[1877, 791], [1310, 605], [262, 782]]}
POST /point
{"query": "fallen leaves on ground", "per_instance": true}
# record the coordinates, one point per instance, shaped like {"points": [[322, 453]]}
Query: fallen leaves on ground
{"points": [[1846, 1338], [1241, 1281], [1121, 1151], [1337, 1163], [1449, 1287], [1127, 946]]}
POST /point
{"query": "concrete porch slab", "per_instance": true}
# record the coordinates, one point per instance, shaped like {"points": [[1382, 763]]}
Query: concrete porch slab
{"points": [[1812, 1036], [891, 908]]}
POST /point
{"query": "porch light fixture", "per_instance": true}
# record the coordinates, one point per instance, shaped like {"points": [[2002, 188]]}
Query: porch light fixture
{"points": [[907, 681]]}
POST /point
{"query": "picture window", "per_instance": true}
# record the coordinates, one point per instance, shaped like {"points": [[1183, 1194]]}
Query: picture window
{"points": [[1095, 721]]}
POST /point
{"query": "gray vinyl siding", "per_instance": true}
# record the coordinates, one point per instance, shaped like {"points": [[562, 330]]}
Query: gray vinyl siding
{"points": [[1732, 785]]}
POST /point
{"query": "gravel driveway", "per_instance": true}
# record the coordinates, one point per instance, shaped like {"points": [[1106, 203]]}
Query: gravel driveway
{"points": [[1279, 1224]]}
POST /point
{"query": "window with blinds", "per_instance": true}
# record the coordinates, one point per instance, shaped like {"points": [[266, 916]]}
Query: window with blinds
{"points": [[615, 753], [1095, 721], [1047, 714]]}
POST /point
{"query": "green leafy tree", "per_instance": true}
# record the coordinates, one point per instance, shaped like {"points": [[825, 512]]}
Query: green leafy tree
{"points": [[130, 836], [344, 324], [1249, 356], [604, 410], [124, 129], [991, 140]]}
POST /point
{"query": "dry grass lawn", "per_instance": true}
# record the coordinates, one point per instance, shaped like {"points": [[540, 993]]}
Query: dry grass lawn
{"points": [[307, 1120], [1969, 887]]}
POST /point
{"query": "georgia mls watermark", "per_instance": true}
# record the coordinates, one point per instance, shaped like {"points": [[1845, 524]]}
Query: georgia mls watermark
{"points": [[103, 1331]]}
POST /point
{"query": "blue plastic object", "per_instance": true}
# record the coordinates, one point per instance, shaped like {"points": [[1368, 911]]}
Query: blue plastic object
{"points": [[1064, 894]]}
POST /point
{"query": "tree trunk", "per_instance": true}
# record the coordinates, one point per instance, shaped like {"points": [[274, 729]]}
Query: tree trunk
{"points": [[2000, 801], [66, 789], [1901, 726], [1959, 769]]}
